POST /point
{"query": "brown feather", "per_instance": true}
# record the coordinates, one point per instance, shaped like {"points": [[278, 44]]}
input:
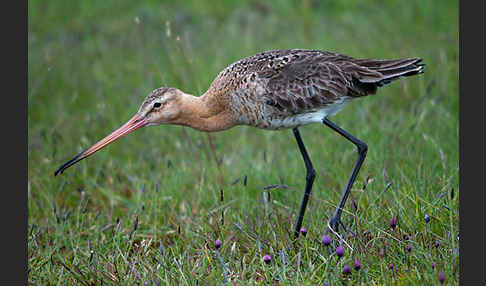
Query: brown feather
{"points": [[299, 81]]}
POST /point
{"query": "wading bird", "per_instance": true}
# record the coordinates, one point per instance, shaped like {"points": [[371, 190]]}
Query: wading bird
{"points": [[273, 90]]}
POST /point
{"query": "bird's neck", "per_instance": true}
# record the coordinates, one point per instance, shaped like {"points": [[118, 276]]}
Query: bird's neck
{"points": [[204, 113]]}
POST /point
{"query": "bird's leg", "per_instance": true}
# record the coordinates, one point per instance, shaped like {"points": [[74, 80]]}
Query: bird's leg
{"points": [[362, 149], [309, 180]]}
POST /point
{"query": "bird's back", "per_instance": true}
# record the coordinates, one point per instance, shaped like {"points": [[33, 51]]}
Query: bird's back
{"points": [[287, 88]]}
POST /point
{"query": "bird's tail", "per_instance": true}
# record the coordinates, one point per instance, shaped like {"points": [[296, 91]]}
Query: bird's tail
{"points": [[391, 69]]}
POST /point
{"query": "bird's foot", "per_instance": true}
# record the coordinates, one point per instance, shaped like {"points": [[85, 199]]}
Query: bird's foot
{"points": [[334, 224]]}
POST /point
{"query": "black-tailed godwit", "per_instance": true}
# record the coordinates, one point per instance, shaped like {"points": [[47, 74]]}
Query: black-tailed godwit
{"points": [[273, 90]]}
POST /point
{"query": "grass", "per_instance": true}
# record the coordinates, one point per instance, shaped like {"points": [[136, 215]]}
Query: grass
{"points": [[148, 209]]}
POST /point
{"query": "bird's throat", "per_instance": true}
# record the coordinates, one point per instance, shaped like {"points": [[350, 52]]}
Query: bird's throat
{"points": [[204, 113]]}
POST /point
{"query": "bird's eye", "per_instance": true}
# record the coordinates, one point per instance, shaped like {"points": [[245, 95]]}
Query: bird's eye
{"points": [[157, 104]]}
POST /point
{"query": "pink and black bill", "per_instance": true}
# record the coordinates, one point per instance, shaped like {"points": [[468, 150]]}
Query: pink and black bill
{"points": [[133, 124]]}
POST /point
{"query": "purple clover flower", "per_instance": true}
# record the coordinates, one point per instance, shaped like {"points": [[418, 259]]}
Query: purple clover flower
{"points": [[357, 265], [339, 251], [441, 277], [409, 248], [346, 270], [326, 240], [427, 218], [393, 223], [217, 243], [303, 230], [267, 258]]}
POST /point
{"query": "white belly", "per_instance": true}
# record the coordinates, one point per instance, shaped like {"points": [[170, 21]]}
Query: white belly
{"points": [[307, 118]]}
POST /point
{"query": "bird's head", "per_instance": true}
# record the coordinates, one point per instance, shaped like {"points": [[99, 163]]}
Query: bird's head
{"points": [[161, 106]]}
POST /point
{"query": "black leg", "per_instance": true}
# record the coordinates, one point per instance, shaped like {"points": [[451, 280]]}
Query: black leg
{"points": [[309, 180], [362, 149]]}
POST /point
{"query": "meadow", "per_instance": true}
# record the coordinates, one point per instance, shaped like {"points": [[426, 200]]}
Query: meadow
{"points": [[148, 209]]}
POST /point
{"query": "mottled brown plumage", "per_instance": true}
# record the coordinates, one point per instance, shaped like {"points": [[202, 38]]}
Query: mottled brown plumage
{"points": [[266, 89]]}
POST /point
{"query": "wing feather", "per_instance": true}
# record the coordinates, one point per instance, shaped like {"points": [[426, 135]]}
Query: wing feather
{"points": [[299, 81]]}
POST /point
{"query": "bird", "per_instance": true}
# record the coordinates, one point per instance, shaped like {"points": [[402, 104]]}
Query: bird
{"points": [[273, 90]]}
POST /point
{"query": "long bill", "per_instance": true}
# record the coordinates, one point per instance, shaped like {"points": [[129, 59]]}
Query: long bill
{"points": [[133, 124]]}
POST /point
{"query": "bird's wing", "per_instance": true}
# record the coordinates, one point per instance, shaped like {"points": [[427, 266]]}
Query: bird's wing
{"points": [[301, 81]]}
